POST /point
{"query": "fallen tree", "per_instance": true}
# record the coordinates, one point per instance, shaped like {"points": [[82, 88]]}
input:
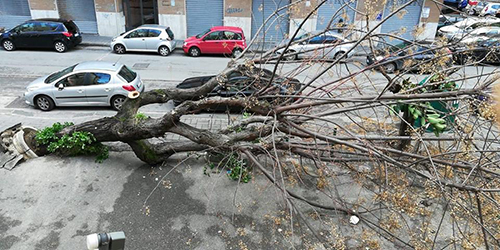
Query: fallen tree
{"points": [[420, 151]]}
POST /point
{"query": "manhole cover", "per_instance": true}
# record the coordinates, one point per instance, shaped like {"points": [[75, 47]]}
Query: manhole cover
{"points": [[140, 65]]}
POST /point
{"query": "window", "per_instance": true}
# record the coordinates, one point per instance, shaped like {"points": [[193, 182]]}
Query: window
{"points": [[154, 33], [331, 39], [73, 80], [127, 74], [214, 36], [46, 27], [170, 33], [27, 27], [317, 40], [138, 33], [228, 35], [58, 74], [97, 78], [202, 33]]}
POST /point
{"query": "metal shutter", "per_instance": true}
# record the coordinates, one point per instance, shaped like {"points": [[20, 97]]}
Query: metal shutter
{"points": [[408, 21], [328, 9], [203, 14], [276, 28], [82, 12], [14, 12]]}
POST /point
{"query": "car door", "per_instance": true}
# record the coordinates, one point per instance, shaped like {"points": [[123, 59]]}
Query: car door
{"points": [[98, 88], [313, 47], [212, 43], [136, 40], [21, 35], [153, 39], [229, 39], [72, 91], [45, 32], [330, 47]]}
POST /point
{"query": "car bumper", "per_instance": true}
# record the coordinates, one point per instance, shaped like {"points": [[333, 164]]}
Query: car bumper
{"points": [[185, 49], [28, 98]]}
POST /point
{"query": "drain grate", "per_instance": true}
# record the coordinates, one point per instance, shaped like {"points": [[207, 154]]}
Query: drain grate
{"points": [[141, 66]]}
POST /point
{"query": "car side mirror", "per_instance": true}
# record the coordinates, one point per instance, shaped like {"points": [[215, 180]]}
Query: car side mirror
{"points": [[60, 86]]}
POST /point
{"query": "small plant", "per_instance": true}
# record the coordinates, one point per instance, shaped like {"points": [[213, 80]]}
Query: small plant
{"points": [[140, 117], [236, 168], [77, 143]]}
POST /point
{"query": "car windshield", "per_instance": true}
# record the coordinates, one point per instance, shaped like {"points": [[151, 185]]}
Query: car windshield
{"points": [[202, 33], [57, 75], [127, 74]]}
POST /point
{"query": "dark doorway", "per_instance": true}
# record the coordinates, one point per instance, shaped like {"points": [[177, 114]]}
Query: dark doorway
{"points": [[139, 12]]}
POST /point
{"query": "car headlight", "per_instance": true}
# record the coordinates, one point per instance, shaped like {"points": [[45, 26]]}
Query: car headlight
{"points": [[29, 89], [379, 58], [185, 44]]}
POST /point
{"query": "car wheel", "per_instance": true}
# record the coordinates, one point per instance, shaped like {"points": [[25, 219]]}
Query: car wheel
{"points": [[44, 103], [194, 51], [117, 102], [339, 55], [237, 52], [163, 51], [389, 67], [60, 47], [119, 49], [8, 45]]}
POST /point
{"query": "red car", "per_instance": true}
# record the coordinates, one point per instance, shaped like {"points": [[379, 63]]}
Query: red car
{"points": [[216, 40]]}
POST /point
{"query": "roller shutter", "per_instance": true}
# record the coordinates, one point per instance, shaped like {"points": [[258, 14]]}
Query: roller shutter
{"points": [[277, 27], [330, 10], [82, 12], [14, 12], [405, 22], [203, 14]]}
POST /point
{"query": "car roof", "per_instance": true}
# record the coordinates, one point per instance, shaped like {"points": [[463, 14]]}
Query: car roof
{"points": [[102, 66], [153, 26], [230, 28], [57, 20]]}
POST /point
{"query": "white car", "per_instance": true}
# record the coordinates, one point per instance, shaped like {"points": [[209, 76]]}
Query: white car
{"points": [[323, 45], [460, 29], [147, 38], [490, 9], [480, 34]]}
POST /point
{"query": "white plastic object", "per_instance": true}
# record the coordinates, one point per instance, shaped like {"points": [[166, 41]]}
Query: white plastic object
{"points": [[92, 242], [354, 220]]}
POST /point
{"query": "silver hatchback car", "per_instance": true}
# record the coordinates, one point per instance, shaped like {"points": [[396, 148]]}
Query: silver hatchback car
{"points": [[150, 37], [84, 84]]}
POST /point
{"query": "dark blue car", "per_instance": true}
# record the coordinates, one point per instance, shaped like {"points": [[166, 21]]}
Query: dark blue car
{"points": [[58, 34]]}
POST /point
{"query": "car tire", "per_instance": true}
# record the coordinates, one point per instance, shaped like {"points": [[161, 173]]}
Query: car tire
{"points": [[194, 51], [236, 52], [8, 45], [163, 50], [339, 54], [44, 103], [119, 49], [60, 47], [117, 102], [389, 67]]}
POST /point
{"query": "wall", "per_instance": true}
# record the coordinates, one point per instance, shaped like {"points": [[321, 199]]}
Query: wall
{"points": [[43, 9], [298, 14], [372, 10], [428, 26], [172, 13], [110, 17], [239, 13]]}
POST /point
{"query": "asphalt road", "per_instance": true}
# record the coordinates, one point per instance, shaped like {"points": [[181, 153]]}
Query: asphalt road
{"points": [[52, 202]]}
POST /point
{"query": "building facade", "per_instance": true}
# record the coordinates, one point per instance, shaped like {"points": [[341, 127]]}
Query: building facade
{"points": [[190, 17]]}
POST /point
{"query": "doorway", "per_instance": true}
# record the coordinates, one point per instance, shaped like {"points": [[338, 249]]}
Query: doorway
{"points": [[139, 12]]}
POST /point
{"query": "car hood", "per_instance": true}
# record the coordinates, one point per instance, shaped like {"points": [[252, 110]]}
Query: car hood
{"points": [[190, 39], [471, 40], [449, 29], [39, 82]]}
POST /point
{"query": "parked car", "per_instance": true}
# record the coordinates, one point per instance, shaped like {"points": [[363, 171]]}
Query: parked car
{"points": [[326, 45], [474, 8], [490, 9], [487, 51], [457, 30], [407, 55], [145, 38], [480, 34], [59, 34], [445, 20], [84, 84], [243, 85], [216, 40]]}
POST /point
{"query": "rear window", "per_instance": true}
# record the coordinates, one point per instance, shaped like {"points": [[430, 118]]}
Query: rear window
{"points": [[127, 74], [59, 74], [170, 33]]}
